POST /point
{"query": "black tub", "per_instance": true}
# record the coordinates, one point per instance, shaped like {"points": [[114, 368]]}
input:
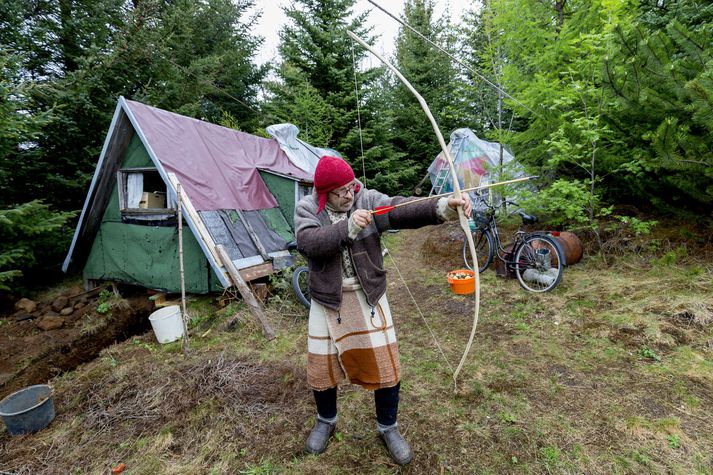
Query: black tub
{"points": [[28, 410]]}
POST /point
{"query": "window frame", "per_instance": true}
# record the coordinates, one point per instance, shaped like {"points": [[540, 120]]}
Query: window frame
{"points": [[139, 213]]}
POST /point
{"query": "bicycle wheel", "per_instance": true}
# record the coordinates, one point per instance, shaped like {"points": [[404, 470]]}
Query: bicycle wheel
{"points": [[300, 284], [538, 264], [483, 247]]}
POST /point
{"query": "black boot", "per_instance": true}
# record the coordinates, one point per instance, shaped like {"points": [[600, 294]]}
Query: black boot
{"points": [[319, 437], [399, 449]]}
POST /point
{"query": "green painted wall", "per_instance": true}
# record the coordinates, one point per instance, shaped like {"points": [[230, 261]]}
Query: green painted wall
{"points": [[283, 189], [136, 155], [277, 222], [145, 255]]}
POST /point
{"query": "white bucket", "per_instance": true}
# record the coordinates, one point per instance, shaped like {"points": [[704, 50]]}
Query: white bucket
{"points": [[167, 324]]}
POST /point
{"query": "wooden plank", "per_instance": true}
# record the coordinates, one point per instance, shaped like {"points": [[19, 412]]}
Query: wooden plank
{"points": [[197, 221], [139, 169], [121, 183], [251, 232], [118, 143], [89, 293], [255, 272], [150, 211], [244, 290]]}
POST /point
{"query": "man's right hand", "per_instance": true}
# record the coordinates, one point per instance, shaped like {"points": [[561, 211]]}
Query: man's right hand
{"points": [[361, 218]]}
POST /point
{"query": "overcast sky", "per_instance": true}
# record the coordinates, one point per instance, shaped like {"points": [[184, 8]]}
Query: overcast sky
{"points": [[273, 18]]}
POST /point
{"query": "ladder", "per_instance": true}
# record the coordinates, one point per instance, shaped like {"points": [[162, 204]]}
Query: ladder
{"points": [[441, 181]]}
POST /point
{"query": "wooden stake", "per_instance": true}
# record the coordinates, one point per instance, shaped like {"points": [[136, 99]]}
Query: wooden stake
{"points": [[244, 290], [183, 276]]}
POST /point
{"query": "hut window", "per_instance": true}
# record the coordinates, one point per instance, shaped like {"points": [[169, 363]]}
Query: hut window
{"points": [[303, 190], [143, 195]]}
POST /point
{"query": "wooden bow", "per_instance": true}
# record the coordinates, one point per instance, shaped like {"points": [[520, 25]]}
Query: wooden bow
{"points": [[456, 192]]}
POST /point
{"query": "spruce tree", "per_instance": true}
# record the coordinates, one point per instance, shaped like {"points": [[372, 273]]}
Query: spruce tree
{"points": [[315, 87], [662, 80], [433, 75], [189, 56]]}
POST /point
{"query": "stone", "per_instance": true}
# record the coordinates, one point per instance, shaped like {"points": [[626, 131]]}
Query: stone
{"points": [[67, 311], [79, 305], [51, 313], [26, 305], [50, 323], [59, 303], [22, 316]]}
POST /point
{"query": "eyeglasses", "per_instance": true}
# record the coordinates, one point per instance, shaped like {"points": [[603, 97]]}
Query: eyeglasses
{"points": [[352, 188]]}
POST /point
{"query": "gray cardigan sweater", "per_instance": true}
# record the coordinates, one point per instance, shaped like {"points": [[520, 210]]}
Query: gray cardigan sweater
{"points": [[322, 242]]}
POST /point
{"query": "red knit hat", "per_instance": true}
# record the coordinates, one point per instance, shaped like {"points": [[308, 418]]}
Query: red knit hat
{"points": [[330, 174]]}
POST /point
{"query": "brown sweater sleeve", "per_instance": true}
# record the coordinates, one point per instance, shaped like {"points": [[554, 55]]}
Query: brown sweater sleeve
{"points": [[405, 217], [315, 240]]}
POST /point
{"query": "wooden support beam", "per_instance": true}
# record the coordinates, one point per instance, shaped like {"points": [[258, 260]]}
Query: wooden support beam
{"points": [[195, 217], [244, 290], [253, 236], [255, 272]]}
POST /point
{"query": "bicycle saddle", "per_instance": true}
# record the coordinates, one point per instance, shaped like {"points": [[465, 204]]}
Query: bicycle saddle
{"points": [[526, 218]]}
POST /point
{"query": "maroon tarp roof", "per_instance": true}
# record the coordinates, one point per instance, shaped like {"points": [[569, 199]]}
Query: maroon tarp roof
{"points": [[217, 166]]}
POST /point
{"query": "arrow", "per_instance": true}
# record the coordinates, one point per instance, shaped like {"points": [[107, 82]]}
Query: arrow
{"points": [[379, 210]]}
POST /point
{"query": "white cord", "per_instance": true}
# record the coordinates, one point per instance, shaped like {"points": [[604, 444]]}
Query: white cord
{"points": [[356, 93], [433, 335]]}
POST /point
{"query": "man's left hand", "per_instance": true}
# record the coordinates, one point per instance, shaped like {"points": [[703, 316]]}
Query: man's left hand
{"points": [[453, 203]]}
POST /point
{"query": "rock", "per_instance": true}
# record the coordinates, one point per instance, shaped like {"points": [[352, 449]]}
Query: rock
{"points": [[50, 313], [26, 305], [79, 305], [50, 323], [67, 311], [60, 303], [22, 316]]}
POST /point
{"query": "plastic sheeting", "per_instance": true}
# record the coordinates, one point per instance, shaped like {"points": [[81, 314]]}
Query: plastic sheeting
{"points": [[217, 166], [473, 159], [148, 256], [301, 154]]}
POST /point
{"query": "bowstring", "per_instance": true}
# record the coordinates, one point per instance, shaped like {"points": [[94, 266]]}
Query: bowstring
{"points": [[393, 261], [423, 317], [356, 94]]}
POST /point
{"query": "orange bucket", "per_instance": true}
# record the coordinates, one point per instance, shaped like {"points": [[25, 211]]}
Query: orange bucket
{"points": [[462, 281]]}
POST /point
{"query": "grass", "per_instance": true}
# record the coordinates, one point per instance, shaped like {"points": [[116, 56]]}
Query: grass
{"points": [[611, 373]]}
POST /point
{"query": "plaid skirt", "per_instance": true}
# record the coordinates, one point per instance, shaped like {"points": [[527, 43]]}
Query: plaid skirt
{"points": [[352, 343]]}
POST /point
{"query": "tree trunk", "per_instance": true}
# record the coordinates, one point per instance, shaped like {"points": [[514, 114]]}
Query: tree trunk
{"points": [[559, 6]]}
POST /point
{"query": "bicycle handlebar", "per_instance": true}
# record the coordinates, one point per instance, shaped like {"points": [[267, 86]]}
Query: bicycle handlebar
{"points": [[499, 205]]}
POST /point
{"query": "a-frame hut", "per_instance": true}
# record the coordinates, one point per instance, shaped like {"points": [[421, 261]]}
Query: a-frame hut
{"points": [[239, 191]]}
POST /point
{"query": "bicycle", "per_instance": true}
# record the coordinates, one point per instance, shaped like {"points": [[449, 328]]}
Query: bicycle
{"points": [[536, 259], [300, 284], [300, 280]]}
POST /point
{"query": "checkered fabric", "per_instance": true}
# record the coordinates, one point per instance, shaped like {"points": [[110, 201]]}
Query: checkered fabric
{"points": [[351, 343]]}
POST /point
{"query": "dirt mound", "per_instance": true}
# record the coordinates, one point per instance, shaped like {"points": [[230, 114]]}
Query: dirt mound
{"points": [[440, 246], [38, 344]]}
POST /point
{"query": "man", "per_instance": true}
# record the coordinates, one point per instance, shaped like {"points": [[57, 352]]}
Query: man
{"points": [[351, 332]]}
